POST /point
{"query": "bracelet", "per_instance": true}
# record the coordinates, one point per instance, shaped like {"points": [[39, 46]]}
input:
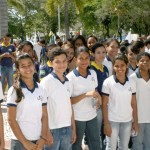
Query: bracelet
{"points": [[43, 138]]}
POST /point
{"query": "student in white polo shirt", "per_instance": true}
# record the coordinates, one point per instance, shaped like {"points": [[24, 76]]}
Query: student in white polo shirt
{"points": [[119, 106], [1, 120], [60, 116], [84, 96], [112, 47], [27, 111], [142, 80]]}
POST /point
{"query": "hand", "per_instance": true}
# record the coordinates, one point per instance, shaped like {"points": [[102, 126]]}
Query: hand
{"points": [[107, 130], [50, 139], [40, 144], [135, 127], [73, 136], [30, 146], [94, 94], [6, 55]]}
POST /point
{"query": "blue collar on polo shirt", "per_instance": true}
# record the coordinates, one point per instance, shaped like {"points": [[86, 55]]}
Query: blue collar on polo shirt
{"points": [[107, 57], [76, 72], [132, 67], [23, 85], [55, 76], [139, 75], [117, 81]]}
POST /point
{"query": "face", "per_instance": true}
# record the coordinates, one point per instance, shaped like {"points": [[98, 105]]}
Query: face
{"points": [[142, 49], [131, 57], [27, 49], [120, 68], [70, 53], [78, 43], [26, 68], [83, 60], [59, 64], [6, 40], [91, 41], [100, 54], [144, 63], [112, 49]]}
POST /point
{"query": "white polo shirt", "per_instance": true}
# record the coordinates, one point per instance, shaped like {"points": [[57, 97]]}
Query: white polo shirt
{"points": [[119, 98], [1, 93], [38, 49], [59, 105], [83, 110], [131, 70], [29, 110], [107, 62], [142, 97]]}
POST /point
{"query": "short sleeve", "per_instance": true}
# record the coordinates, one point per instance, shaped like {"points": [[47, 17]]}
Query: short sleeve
{"points": [[133, 86], [11, 97], [95, 78], [44, 97], [106, 88]]}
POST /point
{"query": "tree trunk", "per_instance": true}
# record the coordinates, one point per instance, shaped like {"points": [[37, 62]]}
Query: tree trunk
{"points": [[3, 18], [66, 19]]}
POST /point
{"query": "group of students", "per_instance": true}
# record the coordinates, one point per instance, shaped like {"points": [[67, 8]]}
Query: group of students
{"points": [[82, 87]]}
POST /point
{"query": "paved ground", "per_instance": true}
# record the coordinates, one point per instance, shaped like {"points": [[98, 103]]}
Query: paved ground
{"points": [[7, 130]]}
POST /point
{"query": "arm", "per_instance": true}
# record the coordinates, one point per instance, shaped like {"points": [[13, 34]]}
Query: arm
{"points": [[2, 143], [73, 127], [77, 99], [135, 116], [107, 128], [17, 131], [44, 120]]}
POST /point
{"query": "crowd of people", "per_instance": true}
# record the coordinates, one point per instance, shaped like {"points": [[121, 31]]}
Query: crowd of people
{"points": [[76, 94]]}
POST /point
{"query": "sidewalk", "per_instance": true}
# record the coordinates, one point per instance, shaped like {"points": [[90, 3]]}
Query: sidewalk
{"points": [[7, 130]]}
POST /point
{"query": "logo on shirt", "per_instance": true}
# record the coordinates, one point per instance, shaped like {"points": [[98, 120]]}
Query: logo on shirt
{"points": [[130, 89], [40, 98], [10, 50]]}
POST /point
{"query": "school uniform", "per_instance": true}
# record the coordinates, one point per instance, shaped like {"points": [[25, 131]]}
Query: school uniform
{"points": [[119, 110], [131, 70], [45, 70], [142, 140], [108, 63], [84, 111], [102, 74], [28, 110], [59, 110]]}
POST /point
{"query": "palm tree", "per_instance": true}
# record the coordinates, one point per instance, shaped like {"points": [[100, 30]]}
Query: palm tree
{"points": [[52, 5], [3, 18], [4, 13]]}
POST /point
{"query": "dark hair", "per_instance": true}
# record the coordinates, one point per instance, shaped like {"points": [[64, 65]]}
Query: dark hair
{"points": [[137, 45], [141, 54], [56, 51], [110, 40], [42, 41], [8, 35], [92, 36], [97, 45], [50, 47], [123, 49], [147, 41], [16, 84], [22, 44], [132, 49], [80, 50], [120, 56], [75, 38]]}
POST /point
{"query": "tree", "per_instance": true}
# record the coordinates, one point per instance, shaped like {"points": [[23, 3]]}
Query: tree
{"points": [[52, 5]]}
